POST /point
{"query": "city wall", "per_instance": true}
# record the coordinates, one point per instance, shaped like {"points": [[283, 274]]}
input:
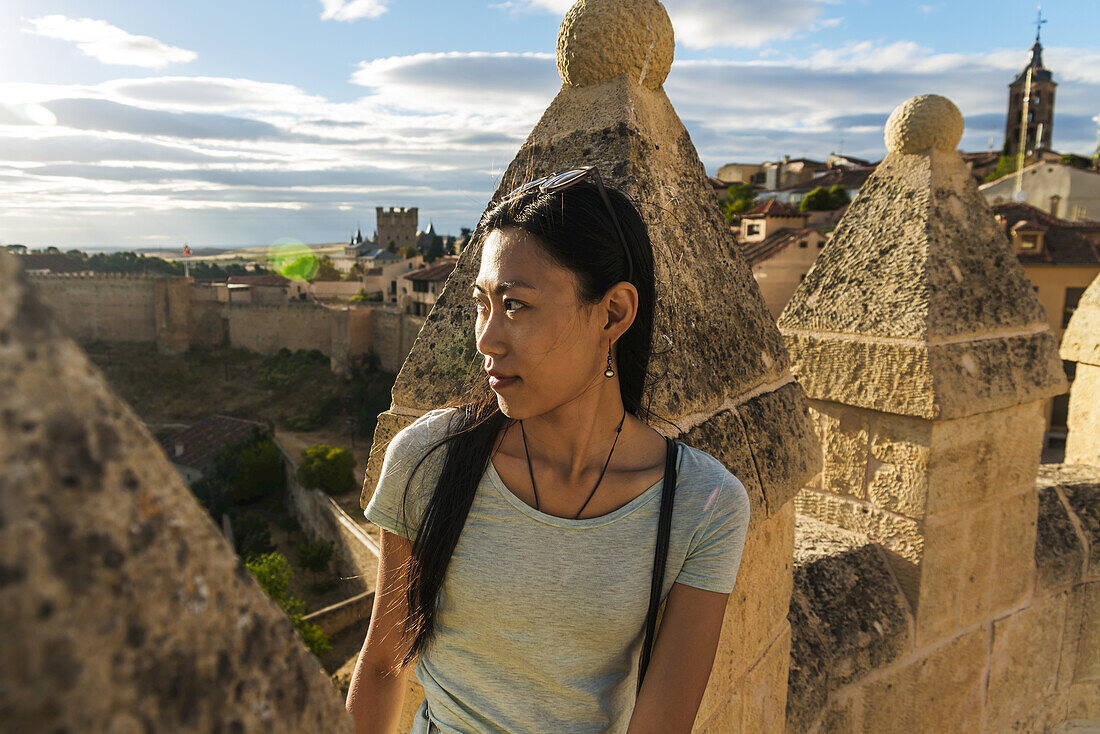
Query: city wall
{"points": [[176, 315]]}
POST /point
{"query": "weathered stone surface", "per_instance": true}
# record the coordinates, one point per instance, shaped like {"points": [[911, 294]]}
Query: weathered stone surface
{"points": [[1080, 485], [1024, 662], [922, 122], [757, 609], [1087, 668], [1083, 441], [847, 617], [123, 608], [1081, 340], [765, 688], [1059, 554], [941, 692], [917, 305], [600, 39]]}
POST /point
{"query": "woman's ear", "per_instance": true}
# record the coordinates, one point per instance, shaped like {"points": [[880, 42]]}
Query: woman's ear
{"points": [[621, 306]]}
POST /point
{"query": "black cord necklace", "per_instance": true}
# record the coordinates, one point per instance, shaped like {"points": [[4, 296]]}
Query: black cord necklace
{"points": [[532, 471]]}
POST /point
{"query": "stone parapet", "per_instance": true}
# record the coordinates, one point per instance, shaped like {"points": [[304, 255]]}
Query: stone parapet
{"points": [[1081, 344], [856, 665]]}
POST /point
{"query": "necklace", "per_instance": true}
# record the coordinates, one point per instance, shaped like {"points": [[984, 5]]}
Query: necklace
{"points": [[532, 471]]}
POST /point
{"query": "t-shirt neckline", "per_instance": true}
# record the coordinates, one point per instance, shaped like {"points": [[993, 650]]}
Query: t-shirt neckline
{"points": [[654, 490]]}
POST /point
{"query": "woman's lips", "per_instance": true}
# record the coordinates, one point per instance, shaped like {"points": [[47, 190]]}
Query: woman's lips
{"points": [[498, 382]]}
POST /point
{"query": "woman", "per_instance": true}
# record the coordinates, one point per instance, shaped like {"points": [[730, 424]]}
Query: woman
{"points": [[519, 525]]}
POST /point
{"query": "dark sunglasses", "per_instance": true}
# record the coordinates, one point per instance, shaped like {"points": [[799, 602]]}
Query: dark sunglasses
{"points": [[561, 181]]}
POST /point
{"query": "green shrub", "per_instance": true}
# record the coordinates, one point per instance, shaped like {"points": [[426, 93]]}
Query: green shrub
{"points": [[328, 468], [274, 573], [290, 524], [285, 370], [319, 414], [260, 472], [213, 494], [251, 533], [315, 555]]}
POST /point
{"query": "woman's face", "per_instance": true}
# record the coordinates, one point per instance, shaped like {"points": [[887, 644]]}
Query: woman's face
{"points": [[530, 325]]}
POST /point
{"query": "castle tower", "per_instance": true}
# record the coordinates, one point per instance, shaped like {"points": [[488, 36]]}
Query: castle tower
{"points": [[1040, 106], [720, 372], [928, 359], [396, 225]]}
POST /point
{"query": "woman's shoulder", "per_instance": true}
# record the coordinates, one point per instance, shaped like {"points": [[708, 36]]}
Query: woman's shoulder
{"points": [[709, 478], [429, 427]]}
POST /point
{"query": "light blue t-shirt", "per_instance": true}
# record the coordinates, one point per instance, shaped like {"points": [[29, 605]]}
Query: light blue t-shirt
{"points": [[541, 619]]}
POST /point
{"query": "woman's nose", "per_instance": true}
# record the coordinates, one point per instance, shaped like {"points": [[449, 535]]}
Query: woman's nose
{"points": [[488, 336]]}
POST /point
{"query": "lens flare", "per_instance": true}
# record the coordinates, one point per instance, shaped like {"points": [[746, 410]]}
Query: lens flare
{"points": [[291, 259]]}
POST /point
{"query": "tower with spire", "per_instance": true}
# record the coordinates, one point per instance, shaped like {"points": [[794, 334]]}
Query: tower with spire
{"points": [[1040, 105]]}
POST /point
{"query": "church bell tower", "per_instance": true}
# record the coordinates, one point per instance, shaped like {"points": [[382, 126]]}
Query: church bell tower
{"points": [[1040, 103]]}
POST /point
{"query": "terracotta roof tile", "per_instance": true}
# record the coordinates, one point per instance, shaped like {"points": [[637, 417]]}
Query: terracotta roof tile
{"points": [[205, 438]]}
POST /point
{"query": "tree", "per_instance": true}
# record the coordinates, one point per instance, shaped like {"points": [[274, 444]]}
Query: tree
{"points": [[408, 251], [326, 270], [435, 249], [392, 247], [328, 468], [839, 195], [819, 199], [738, 199], [273, 572], [1006, 165]]}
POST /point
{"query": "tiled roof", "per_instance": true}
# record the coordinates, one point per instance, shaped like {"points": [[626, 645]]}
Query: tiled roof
{"points": [[773, 208], [206, 438], [1064, 243], [756, 252], [51, 261], [849, 178], [259, 280], [439, 270]]}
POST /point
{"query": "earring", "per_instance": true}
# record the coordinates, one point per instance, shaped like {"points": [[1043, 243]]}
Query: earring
{"points": [[609, 372]]}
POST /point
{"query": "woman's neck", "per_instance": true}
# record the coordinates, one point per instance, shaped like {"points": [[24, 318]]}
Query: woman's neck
{"points": [[575, 438]]}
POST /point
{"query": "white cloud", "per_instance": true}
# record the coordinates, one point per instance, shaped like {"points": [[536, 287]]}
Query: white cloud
{"points": [[352, 9], [107, 43], [706, 23], [248, 161]]}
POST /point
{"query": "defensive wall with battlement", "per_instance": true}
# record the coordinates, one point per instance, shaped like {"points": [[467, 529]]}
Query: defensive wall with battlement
{"points": [[176, 315]]}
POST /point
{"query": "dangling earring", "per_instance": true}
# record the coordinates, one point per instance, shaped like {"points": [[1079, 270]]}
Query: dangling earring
{"points": [[609, 372]]}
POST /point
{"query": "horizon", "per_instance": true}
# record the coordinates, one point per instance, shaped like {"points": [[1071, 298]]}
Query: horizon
{"points": [[121, 130]]}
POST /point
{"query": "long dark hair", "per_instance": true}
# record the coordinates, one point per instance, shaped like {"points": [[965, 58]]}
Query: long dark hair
{"points": [[575, 229]]}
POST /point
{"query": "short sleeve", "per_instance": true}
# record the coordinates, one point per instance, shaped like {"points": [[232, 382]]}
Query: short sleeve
{"points": [[715, 553], [389, 507]]}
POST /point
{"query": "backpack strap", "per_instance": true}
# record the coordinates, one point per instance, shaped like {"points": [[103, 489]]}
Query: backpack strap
{"points": [[660, 556]]}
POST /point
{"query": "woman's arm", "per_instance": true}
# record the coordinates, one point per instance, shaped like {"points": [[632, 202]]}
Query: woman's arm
{"points": [[680, 664], [377, 690]]}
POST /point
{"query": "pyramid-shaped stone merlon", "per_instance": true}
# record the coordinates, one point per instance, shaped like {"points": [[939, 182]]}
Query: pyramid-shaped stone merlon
{"points": [[725, 381], [1081, 344], [927, 359], [918, 306], [122, 606]]}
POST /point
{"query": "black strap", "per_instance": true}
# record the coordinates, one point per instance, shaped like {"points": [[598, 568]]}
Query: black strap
{"points": [[660, 556]]}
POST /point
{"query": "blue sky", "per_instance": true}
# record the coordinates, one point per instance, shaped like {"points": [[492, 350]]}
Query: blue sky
{"points": [[240, 123]]}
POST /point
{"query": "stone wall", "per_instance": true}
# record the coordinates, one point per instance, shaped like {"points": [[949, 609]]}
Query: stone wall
{"points": [[394, 334], [267, 329], [856, 665], [321, 517], [107, 307]]}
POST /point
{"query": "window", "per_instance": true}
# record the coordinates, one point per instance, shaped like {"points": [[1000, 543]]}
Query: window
{"points": [[803, 244], [1073, 297], [420, 286], [820, 244], [752, 228], [1029, 241]]}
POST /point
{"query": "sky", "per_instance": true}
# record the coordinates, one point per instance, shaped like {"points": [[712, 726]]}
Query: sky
{"points": [[131, 124]]}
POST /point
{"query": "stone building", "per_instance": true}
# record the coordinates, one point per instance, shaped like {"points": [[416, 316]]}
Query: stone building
{"points": [[396, 225], [419, 289], [1067, 192], [1040, 105]]}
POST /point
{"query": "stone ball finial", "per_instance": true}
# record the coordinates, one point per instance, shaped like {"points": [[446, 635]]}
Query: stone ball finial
{"points": [[601, 39], [923, 122]]}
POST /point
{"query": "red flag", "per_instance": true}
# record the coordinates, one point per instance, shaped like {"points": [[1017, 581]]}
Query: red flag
{"points": [[186, 250]]}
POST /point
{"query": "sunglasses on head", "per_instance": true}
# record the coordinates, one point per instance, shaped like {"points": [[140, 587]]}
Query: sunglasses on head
{"points": [[561, 181]]}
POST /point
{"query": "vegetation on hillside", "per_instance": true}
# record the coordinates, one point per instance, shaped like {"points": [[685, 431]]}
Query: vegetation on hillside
{"points": [[824, 199]]}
